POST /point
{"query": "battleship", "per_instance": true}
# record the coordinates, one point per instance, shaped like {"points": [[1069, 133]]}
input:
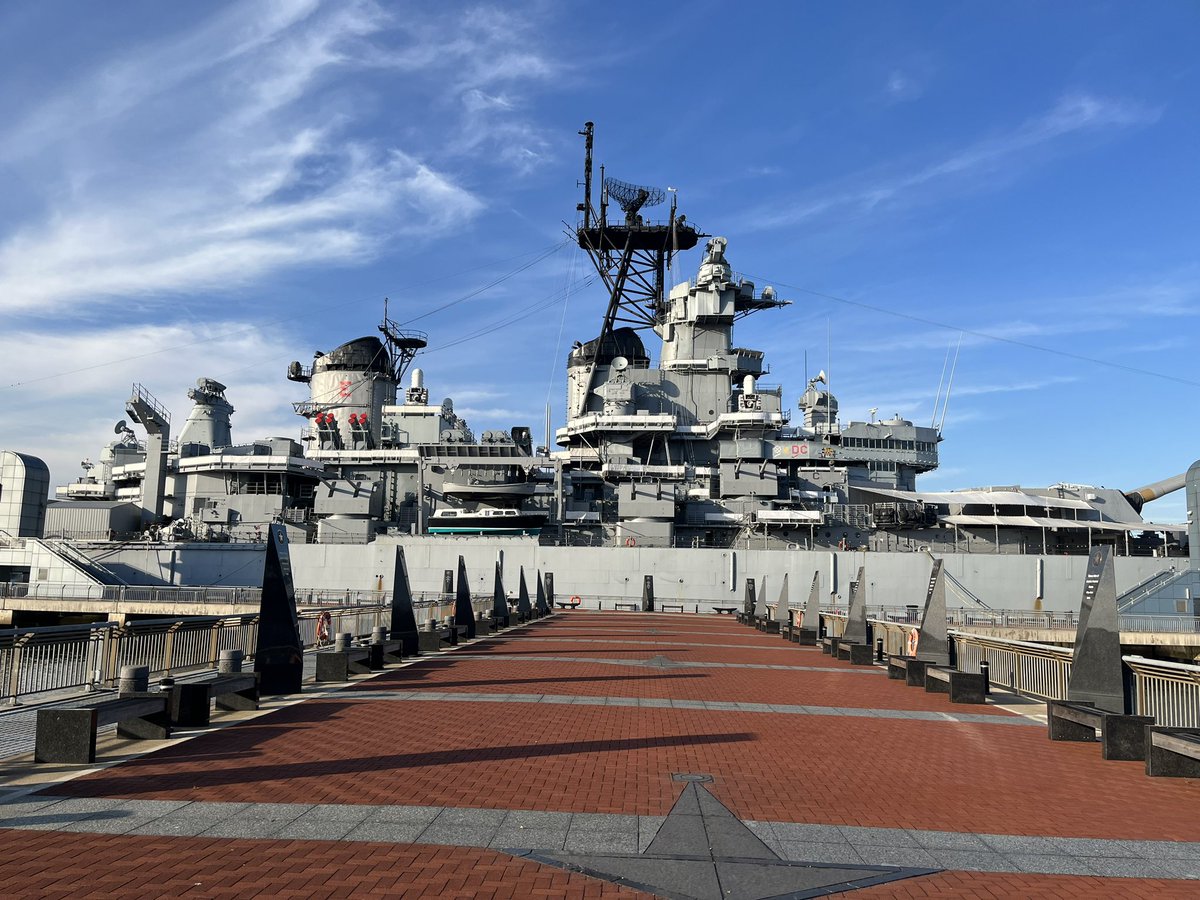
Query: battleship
{"points": [[675, 458]]}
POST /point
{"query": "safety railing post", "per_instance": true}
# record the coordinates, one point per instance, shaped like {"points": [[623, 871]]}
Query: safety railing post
{"points": [[214, 644], [169, 648]]}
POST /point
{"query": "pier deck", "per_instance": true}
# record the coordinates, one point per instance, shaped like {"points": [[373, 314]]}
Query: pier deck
{"points": [[626, 745]]}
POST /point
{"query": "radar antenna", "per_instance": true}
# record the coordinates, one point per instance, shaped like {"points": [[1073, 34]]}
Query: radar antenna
{"points": [[632, 197], [402, 346], [631, 257]]}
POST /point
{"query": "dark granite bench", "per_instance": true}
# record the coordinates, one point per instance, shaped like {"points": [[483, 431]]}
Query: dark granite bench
{"points": [[724, 610], [829, 644], [798, 634], [767, 624], [68, 734], [1172, 752], [431, 641], [566, 605], [339, 665], [856, 654], [911, 669], [190, 701], [963, 687], [1121, 736]]}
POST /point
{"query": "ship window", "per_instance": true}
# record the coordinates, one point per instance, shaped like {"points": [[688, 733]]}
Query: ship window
{"points": [[449, 513]]}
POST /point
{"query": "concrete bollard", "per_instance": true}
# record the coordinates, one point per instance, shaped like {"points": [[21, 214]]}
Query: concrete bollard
{"points": [[229, 662], [133, 679], [341, 640], [431, 624], [378, 634], [166, 684]]}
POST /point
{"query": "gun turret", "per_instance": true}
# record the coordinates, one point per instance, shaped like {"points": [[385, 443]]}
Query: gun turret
{"points": [[1143, 495]]}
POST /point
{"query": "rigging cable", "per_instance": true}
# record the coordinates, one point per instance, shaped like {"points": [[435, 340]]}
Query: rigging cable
{"points": [[980, 334]]}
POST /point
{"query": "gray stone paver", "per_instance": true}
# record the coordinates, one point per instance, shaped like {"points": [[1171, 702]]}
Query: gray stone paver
{"points": [[1050, 864], [385, 832], [809, 851], [949, 840], [1128, 868], [728, 706], [602, 833], [971, 860]]}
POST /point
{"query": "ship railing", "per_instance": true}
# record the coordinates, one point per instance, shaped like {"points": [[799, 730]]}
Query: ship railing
{"points": [[38, 661], [1144, 589], [1169, 691], [139, 392]]}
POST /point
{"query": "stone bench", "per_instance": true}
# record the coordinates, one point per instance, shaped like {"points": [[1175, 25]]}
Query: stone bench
{"points": [[963, 687], [339, 665], [190, 702], [68, 734], [829, 645], [1121, 736], [672, 607], [856, 654], [430, 640], [798, 634], [767, 624], [567, 605], [1172, 752], [724, 610], [911, 669]]}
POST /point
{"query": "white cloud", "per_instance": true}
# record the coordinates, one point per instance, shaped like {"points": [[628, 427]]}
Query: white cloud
{"points": [[64, 418], [216, 158]]}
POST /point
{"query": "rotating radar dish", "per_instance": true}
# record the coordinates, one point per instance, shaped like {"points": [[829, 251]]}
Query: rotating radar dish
{"points": [[632, 197]]}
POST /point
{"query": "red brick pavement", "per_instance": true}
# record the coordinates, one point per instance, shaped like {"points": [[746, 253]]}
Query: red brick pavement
{"points": [[1029, 887], [856, 771], [57, 864], [820, 769]]}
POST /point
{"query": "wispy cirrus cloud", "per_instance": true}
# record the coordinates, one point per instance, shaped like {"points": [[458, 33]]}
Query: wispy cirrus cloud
{"points": [[220, 156], [866, 193]]}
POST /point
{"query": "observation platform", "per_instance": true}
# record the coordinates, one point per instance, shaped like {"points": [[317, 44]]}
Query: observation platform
{"points": [[606, 755]]}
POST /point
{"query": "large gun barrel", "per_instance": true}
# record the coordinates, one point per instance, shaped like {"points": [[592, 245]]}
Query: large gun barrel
{"points": [[1143, 495]]}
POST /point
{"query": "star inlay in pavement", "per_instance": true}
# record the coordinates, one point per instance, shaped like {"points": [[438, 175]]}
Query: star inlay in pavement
{"points": [[704, 852]]}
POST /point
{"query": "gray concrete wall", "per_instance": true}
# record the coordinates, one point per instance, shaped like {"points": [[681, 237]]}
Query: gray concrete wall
{"points": [[707, 576]]}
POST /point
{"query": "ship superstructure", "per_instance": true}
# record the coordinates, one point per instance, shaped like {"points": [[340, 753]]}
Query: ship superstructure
{"points": [[673, 438]]}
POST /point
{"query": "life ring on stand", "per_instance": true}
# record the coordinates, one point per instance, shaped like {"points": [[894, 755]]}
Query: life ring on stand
{"points": [[911, 642], [576, 600], [630, 542]]}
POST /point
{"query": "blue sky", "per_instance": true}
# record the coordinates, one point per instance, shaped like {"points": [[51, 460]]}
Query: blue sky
{"points": [[206, 189]]}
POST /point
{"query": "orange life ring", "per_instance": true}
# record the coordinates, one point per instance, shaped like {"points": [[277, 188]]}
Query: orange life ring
{"points": [[575, 600], [911, 642], [630, 542]]}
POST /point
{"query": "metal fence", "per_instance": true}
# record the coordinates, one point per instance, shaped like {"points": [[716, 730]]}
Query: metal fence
{"points": [[1169, 691], [90, 657], [1014, 618]]}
